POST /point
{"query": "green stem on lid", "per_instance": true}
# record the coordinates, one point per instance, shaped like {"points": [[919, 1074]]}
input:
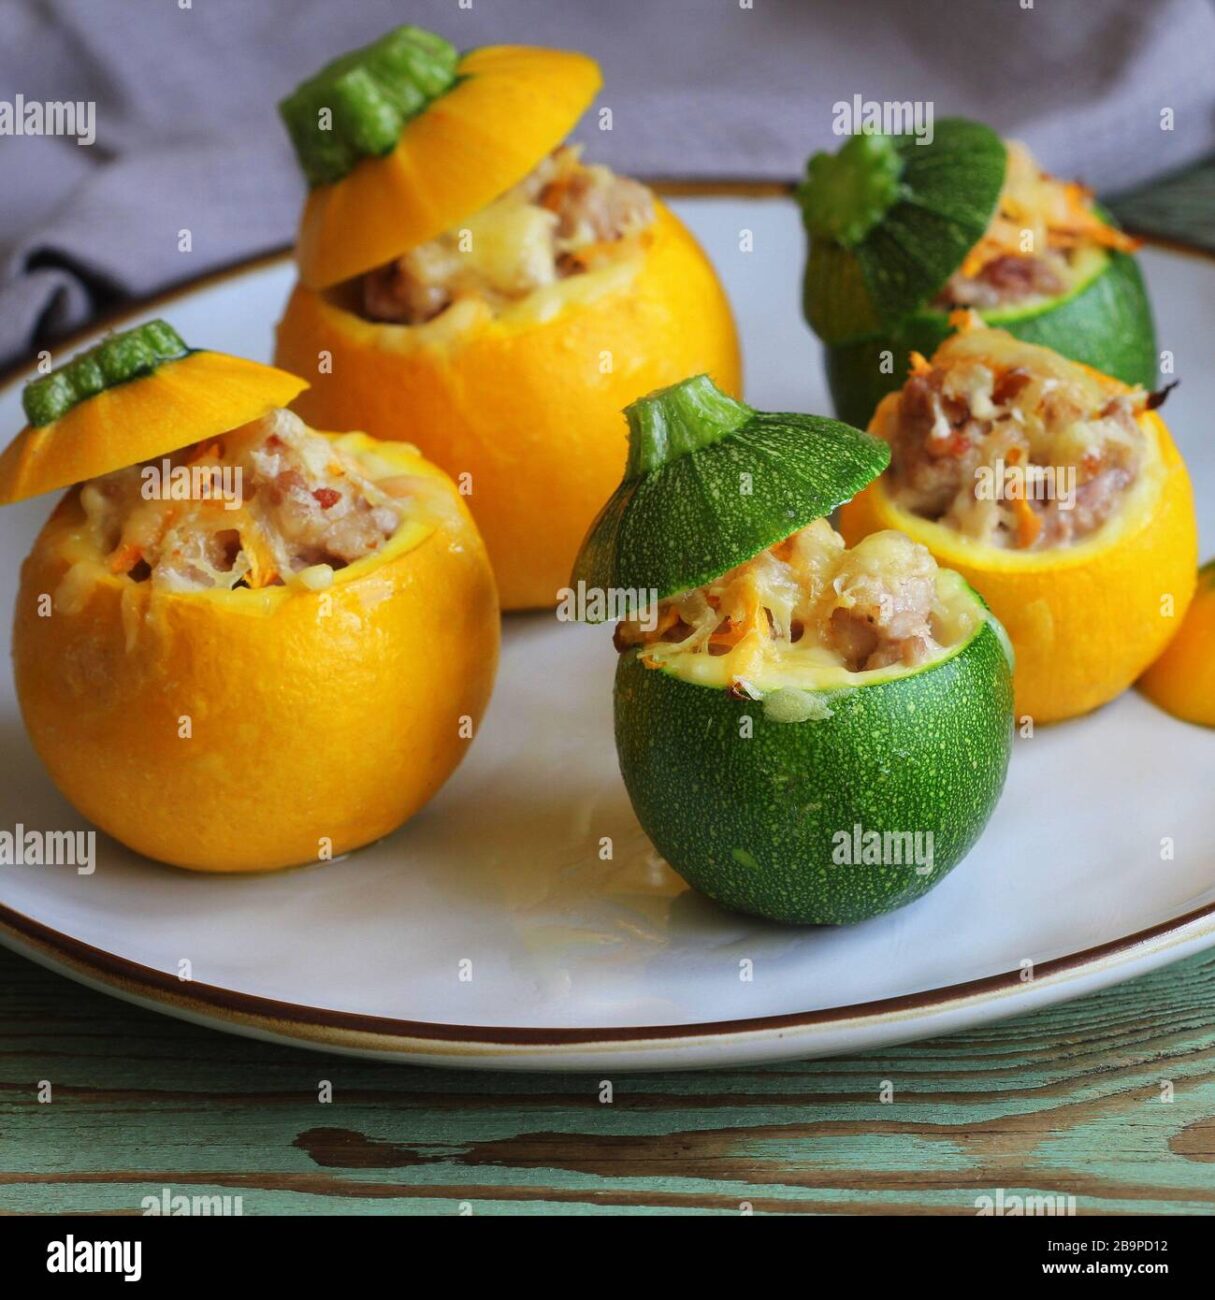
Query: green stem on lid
{"points": [[671, 422], [846, 194], [115, 360], [357, 106]]}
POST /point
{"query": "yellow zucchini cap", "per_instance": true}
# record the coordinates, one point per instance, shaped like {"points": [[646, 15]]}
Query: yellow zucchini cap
{"points": [[510, 106], [186, 400]]}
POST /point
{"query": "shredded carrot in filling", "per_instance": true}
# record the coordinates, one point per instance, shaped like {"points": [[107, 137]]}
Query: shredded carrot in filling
{"points": [[750, 620], [807, 598], [125, 556], [1012, 445], [1029, 524], [563, 219], [248, 510], [1034, 244]]}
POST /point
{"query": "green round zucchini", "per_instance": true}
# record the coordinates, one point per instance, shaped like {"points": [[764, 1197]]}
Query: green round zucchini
{"points": [[769, 816], [890, 220]]}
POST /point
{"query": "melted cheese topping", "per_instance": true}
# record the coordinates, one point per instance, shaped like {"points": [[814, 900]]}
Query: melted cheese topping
{"points": [[564, 220], [808, 613], [269, 504], [1044, 240], [1011, 444]]}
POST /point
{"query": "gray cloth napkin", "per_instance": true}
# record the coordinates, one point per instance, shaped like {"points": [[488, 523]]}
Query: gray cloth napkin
{"points": [[187, 138]]}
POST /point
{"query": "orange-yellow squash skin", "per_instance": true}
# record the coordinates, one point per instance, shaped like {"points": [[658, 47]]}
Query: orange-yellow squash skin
{"points": [[523, 410], [256, 729], [1084, 620], [511, 105], [186, 400], [1182, 680]]}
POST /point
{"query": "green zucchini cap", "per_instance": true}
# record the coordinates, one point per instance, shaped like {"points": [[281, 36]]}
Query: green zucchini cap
{"points": [[891, 219], [711, 482]]}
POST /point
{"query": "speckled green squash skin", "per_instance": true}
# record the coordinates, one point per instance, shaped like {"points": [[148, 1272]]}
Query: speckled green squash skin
{"points": [[750, 822], [1107, 325]]}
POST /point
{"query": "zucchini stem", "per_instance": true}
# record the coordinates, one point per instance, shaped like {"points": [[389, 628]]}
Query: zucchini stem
{"points": [[674, 421], [357, 106], [117, 359], [846, 194]]}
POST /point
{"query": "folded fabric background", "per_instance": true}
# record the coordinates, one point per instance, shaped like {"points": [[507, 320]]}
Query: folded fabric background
{"points": [[187, 138]]}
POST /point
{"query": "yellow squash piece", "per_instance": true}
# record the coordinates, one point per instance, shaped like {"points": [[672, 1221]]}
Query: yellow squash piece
{"points": [[189, 399], [510, 106], [249, 729], [523, 409], [1182, 680], [1085, 619]]}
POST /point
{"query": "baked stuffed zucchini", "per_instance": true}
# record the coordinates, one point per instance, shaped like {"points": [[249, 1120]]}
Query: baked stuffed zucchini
{"points": [[903, 233], [807, 733], [468, 281], [238, 644], [1058, 493], [1182, 680]]}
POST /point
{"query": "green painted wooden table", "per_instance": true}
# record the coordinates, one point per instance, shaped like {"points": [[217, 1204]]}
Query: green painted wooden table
{"points": [[1110, 1099]]}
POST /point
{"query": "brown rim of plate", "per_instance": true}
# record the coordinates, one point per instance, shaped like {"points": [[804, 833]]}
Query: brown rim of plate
{"points": [[356, 1029], [414, 1037]]}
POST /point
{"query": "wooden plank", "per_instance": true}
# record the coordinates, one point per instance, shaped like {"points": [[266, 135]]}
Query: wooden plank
{"points": [[1069, 1101]]}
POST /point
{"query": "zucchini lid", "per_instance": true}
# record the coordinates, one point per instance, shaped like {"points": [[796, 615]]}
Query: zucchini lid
{"points": [[711, 482], [404, 138], [890, 220], [137, 394]]}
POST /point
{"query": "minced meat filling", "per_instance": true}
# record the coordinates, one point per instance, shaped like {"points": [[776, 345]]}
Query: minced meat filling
{"points": [[563, 219], [249, 509], [1036, 243], [1011, 447], [870, 607]]}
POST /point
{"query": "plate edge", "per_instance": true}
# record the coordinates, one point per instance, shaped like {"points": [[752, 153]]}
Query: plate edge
{"points": [[325, 1027]]}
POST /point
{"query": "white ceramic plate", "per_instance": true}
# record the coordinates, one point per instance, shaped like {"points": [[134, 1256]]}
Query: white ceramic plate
{"points": [[579, 963]]}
